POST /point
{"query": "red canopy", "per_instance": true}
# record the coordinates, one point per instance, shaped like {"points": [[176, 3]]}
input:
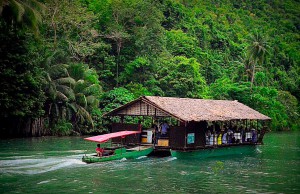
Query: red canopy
{"points": [[106, 137]]}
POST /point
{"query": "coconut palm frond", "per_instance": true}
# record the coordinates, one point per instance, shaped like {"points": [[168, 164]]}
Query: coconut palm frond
{"points": [[59, 70], [55, 110], [52, 92], [93, 89], [72, 107], [77, 70], [32, 13], [63, 113], [57, 57], [2, 4], [69, 114], [17, 9], [83, 113], [81, 100], [38, 6], [91, 76], [27, 12], [79, 86], [61, 96], [67, 91], [65, 81], [92, 101]]}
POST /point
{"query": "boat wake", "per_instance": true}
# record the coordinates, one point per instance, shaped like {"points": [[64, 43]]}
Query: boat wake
{"points": [[257, 150], [171, 159], [141, 157], [38, 166], [123, 159]]}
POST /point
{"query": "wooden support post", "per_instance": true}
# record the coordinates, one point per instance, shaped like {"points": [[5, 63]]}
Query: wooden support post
{"points": [[185, 135], [140, 107], [147, 109], [214, 130]]}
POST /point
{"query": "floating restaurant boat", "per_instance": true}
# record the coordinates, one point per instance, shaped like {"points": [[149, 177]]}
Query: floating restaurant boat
{"points": [[197, 128], [117, 152]]}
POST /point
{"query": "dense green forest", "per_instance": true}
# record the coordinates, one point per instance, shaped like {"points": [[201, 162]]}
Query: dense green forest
{"points": [[65, 63]]}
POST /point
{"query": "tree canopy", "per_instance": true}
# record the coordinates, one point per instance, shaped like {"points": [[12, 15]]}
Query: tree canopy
{"points": [[68, 62]]}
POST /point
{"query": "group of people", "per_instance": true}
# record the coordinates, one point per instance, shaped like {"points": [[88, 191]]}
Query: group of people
{"points": [[230, 136], [160, 130]]}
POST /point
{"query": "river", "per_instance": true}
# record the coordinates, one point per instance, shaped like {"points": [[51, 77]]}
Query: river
{"points": [[53, 165]]}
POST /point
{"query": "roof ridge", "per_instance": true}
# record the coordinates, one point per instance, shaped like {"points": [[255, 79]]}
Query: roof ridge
{"points": [[191, 98]]}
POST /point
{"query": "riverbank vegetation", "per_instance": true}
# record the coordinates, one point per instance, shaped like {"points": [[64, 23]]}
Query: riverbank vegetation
{"points": [[65, 63]]}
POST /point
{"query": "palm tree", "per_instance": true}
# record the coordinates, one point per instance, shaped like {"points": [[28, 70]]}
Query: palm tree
{"points": [[87, 90], [24, 12], [256, 52], [59, 92], [73, 92]]}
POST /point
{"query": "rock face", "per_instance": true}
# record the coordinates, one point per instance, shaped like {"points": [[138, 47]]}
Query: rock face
{"points": [[13, 127]]}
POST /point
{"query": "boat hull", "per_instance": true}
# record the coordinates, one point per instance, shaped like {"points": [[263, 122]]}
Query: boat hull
{"points": [[214, 152], [128, 154]]}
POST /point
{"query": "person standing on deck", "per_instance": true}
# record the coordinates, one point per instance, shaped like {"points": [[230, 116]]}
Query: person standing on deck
{"points": [[242, 134], [224, 138], [208, 135], [164, 128], [254, 135], [229, 136], [220, 138]]}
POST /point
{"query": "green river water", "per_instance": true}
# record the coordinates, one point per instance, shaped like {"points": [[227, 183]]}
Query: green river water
{"points": [[53, 165]]}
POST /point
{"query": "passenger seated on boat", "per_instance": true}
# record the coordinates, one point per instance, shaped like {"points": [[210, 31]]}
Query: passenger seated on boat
{"points": [[229, 136], [248, 135], [233, 139], [99, 151], [206, 140], [242, 130], [208, 135], [254, 135], [220, 139], [224, 138], [211, 140]]}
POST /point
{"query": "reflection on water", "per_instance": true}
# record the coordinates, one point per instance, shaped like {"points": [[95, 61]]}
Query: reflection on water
{"points": [[49, 165]]}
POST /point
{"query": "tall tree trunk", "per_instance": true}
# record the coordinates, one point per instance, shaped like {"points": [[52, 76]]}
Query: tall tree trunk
{"points": [[38, 127], [119, 45], [54, 27], [253, 73]]}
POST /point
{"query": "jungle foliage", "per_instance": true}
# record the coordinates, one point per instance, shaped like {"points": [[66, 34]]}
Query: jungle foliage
{"points": [[69, 62]]}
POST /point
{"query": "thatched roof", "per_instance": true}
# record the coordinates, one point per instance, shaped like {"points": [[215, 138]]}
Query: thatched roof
{"points": [[188, 109]]}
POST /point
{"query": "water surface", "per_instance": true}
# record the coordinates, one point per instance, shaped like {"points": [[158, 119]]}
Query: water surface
{"points": [[53, 165]]}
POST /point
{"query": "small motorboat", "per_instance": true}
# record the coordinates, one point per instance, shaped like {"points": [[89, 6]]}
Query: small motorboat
{"points": [[116, 152]]}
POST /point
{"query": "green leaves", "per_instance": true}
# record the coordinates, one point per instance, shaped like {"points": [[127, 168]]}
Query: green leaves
{"points": [[108, 52], [181, 77], [74, 96], [25, 12]]}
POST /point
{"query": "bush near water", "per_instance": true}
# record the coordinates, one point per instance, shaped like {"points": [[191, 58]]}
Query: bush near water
{"points": [[64, 63]]}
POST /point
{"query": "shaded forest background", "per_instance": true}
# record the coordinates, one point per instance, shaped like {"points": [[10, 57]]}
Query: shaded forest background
{"points": [[65, 63]]}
